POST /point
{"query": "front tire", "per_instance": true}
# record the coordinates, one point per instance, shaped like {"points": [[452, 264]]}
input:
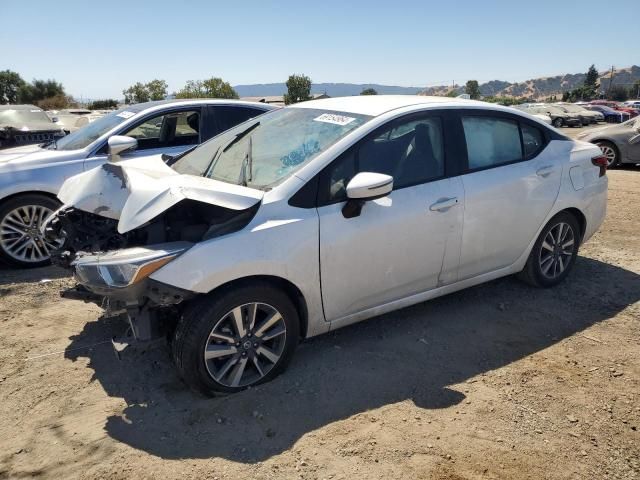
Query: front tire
{"points": [[236, 338], [21, 243], [557, 122], [610, 151], [554, 253]]}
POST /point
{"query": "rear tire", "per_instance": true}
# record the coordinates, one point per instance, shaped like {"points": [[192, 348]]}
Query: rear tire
{"points": [[554, 253], [213, 354]]}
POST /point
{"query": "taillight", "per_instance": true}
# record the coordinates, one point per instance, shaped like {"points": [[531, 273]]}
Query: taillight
{"points": [[602, 162]]}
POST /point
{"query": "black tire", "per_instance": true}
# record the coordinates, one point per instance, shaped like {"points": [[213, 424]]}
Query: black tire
{"points": [[533, 271], [18, 201], [192, 334], [557, 122], [608, 146]]}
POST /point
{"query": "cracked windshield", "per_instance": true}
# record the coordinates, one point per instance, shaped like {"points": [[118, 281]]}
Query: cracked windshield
{"points": [[265, 150]]}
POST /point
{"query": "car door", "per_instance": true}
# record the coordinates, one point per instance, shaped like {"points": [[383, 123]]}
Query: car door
{"points": [[633, 147], [400, 245], [171, 132], [512, 181]]}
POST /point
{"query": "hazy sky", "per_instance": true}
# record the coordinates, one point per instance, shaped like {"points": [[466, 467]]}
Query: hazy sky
{"points": [[96, 48]]}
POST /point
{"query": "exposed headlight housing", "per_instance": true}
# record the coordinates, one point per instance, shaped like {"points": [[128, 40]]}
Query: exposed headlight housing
{"points": [[122, 268]]}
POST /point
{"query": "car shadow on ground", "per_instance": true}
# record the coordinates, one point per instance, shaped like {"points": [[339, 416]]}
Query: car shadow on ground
{"points": [[10, 275], [417, 354]]}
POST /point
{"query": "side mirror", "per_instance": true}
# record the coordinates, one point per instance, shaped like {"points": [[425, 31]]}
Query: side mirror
{"points": [[363, 187], [119, 144]]}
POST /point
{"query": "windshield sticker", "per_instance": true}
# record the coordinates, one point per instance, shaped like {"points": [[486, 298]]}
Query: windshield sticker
{"points": [[335, 119], [125, 114]]}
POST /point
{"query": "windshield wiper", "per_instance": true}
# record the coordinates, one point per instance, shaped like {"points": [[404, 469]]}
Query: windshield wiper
{"points": [[231, 142], [170, 159], [53, 142], [247, 163]]}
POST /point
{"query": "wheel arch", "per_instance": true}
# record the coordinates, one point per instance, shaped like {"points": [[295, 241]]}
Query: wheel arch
{"points": [[10, 197], [580, 217], [292, 291]]}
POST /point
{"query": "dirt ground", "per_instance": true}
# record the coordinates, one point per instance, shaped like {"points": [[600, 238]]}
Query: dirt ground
{"points": [[498, 381]]}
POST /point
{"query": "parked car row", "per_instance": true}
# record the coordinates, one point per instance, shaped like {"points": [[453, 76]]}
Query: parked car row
{"points": [[562, 115]]}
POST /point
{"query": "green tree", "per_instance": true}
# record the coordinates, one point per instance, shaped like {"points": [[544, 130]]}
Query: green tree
{"points": [[618, 93], [157, 89], [298, 89], [103, 104], [10, 86], [453, 93], [472, 89], [57, 102], [136, 93], [214, 87], [634, 91], [38, 90], [591, 79], [369, 91]]}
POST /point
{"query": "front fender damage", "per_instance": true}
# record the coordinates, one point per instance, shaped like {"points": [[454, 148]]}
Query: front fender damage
{"points": [[136, 203]]}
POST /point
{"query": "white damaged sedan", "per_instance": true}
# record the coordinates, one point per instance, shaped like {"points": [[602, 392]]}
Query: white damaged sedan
{"points": [[322, 214]]}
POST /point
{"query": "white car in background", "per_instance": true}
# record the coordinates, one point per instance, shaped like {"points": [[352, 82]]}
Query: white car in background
{"points": [[31, 175], [322, 214], [71, 119]]}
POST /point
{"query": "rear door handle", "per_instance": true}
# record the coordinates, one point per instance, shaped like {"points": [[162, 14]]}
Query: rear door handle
{"points": [[544, 171], [444, 204]]}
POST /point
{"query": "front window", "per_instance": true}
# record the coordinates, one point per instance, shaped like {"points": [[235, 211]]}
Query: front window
{"points": [[262, 152], [16, 118], [167, 130], [94, 130]]}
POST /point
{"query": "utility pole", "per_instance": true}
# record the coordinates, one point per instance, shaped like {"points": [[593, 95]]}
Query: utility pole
{"points": [[610, 81]]}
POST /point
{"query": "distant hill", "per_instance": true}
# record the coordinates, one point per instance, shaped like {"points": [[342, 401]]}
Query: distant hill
{"points": [[331, 89], [535, 88], [544, 86]]}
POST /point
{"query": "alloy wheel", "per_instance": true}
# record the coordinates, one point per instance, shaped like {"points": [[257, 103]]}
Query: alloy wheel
{"points": [[557, 249], [610, 154], [245, 344], [20, 235]]}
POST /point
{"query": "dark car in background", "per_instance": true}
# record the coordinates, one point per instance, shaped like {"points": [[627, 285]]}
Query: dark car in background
{"points": [[620, 107], [26, 125], [610, 115]]}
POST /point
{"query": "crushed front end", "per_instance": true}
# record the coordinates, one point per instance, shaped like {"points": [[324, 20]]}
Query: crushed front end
{"points": [[123, 221]]}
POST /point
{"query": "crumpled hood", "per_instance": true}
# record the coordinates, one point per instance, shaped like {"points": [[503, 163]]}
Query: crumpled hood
{"points": [[136, 191]]}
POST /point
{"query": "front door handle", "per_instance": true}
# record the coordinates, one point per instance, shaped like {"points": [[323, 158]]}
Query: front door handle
{"points": [[544, 171], [444, 204]]}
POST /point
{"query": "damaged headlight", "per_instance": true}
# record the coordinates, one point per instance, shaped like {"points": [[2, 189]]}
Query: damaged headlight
{"points": [[125, 267]]}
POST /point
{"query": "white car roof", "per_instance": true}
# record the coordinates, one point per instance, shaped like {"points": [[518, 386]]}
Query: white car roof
{"points": [[376, 105]]}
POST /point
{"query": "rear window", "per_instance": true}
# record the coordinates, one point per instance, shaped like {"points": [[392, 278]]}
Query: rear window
{"points": [[491, 141], [532, 140]]}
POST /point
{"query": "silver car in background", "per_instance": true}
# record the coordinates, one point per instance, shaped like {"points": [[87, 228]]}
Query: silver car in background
{"points": [[31, 175], [619, 143]]}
